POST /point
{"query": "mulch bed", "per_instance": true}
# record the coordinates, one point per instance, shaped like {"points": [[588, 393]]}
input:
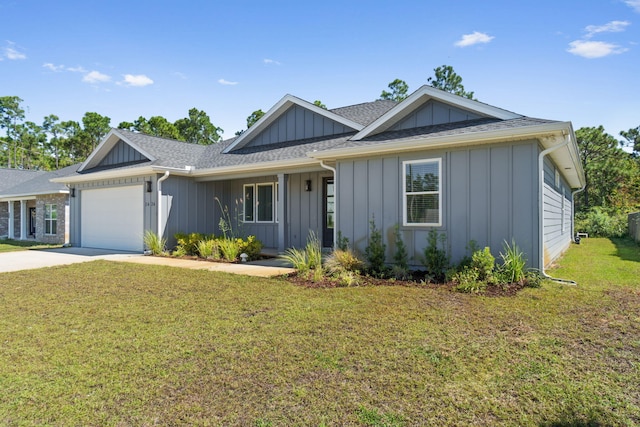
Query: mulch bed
{"points": [[507, 290]]}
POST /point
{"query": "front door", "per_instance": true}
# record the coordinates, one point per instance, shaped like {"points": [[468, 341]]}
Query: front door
{"points": [[32, 221], [328, 212]]}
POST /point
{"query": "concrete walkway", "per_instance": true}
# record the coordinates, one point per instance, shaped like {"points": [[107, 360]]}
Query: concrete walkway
{"points": [[40, 258]]}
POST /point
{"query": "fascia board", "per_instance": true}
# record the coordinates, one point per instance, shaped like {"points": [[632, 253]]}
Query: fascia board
{"points": [[277, 110], [277, 165], [109, 174], [108, 142], [29, 196], [423, 95]]}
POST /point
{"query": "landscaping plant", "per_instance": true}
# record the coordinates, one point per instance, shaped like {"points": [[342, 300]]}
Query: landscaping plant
{"points": [[435, 258], [154, 243], [375, 250]]}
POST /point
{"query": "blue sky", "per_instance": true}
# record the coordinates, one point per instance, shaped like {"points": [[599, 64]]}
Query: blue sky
{"points": [[561, 60]]}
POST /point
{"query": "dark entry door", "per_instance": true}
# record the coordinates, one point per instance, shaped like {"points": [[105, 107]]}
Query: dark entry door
{"points": [[328, 212], [32, 221]]}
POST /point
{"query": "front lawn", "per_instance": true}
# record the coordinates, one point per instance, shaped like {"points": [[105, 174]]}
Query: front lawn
{"points": [[106, 343], [10, 245]]}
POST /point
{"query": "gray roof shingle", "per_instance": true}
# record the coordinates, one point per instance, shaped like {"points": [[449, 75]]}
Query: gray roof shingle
{"points": [[38, 182], [365, 113]]}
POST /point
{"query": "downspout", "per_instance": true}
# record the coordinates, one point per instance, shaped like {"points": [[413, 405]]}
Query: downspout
{"points": [[335, 201], [541, 157], [162, 178], [573, 210]]}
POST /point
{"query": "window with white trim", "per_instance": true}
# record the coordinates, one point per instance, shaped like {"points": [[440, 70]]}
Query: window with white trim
{"points": [[259, 202], [50, 219], [422, 192], [248, 203], [264, 204]]}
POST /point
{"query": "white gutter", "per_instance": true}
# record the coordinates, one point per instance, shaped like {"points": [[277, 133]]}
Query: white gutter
{"points": [[159, 204], [541, 157], [335, 201]]}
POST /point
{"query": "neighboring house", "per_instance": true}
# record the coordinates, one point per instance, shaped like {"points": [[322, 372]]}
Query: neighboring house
{"points": [[434, 161], [34, 208]]}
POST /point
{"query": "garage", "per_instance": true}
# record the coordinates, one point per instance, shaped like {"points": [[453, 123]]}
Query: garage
{"points": [[112, 218]]}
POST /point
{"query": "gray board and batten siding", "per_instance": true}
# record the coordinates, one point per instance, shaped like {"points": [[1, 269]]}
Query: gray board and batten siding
{"points": [[122, 154], [434, 113], [190, 206], [489, 195], [298, 123]]}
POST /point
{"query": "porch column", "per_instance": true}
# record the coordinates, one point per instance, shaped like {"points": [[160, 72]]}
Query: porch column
{"points": [[23, 220], [10, 233], [283, 217]]}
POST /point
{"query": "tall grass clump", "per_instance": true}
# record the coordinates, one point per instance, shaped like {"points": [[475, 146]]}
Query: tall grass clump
{"points": [[229, 249], [307, 259], [513, 269], [208, 248], [154, 243]]}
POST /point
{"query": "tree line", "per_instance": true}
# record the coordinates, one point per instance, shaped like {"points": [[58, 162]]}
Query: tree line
{"points": [[611, 165]]}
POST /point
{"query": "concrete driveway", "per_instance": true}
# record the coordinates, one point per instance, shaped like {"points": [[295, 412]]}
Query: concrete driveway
{"points": [[38, 258]]}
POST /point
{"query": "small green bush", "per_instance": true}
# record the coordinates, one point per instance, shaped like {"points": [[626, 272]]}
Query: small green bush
{"points": [[343, 242], [400, 256], [188, 243], [208, 248], [435, 258], [250, 246], [468, 280], [375, 250], [484, 263]]}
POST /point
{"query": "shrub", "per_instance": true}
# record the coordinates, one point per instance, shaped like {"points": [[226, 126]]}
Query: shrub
{"points": [[400, 256], [435, 259], [189, 242], [307, 259], [343, 260], [533, 278], [208, 248], [154, 243], [468, 280], [348, 278], [229, 249], [484, 263], [375, 250], [599, 223], [343, 242], [250, 246], [513, 263]]}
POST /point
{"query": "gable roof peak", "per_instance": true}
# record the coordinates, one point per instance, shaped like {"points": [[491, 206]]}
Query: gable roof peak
{"points": [[425, 94]]}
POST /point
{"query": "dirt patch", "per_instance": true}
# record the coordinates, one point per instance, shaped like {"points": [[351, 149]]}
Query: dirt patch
{"points": [[417, 280]]}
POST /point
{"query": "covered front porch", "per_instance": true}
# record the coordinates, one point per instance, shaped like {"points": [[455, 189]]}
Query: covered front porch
{"points": [[18, 218]]}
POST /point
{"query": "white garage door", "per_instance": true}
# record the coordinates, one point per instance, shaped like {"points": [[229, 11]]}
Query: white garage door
{"points": [[112, 218]]}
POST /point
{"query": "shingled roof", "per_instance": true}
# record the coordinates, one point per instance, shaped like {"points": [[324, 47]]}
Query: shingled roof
{"points": [[37, 182], [365, 113]]}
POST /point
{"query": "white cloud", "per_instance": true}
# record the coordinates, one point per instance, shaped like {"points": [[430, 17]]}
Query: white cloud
{"points": [[139, 80], [594, 49], [226, 82], [181, 75], [609, 27], [271, 61], [76, 69], [634, 4], [9, 52], [96, 77], [53, 67], [474, 38]]}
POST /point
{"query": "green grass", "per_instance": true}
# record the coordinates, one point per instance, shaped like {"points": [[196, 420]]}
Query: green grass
{"points": [[106, 343], [10, 245]]}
